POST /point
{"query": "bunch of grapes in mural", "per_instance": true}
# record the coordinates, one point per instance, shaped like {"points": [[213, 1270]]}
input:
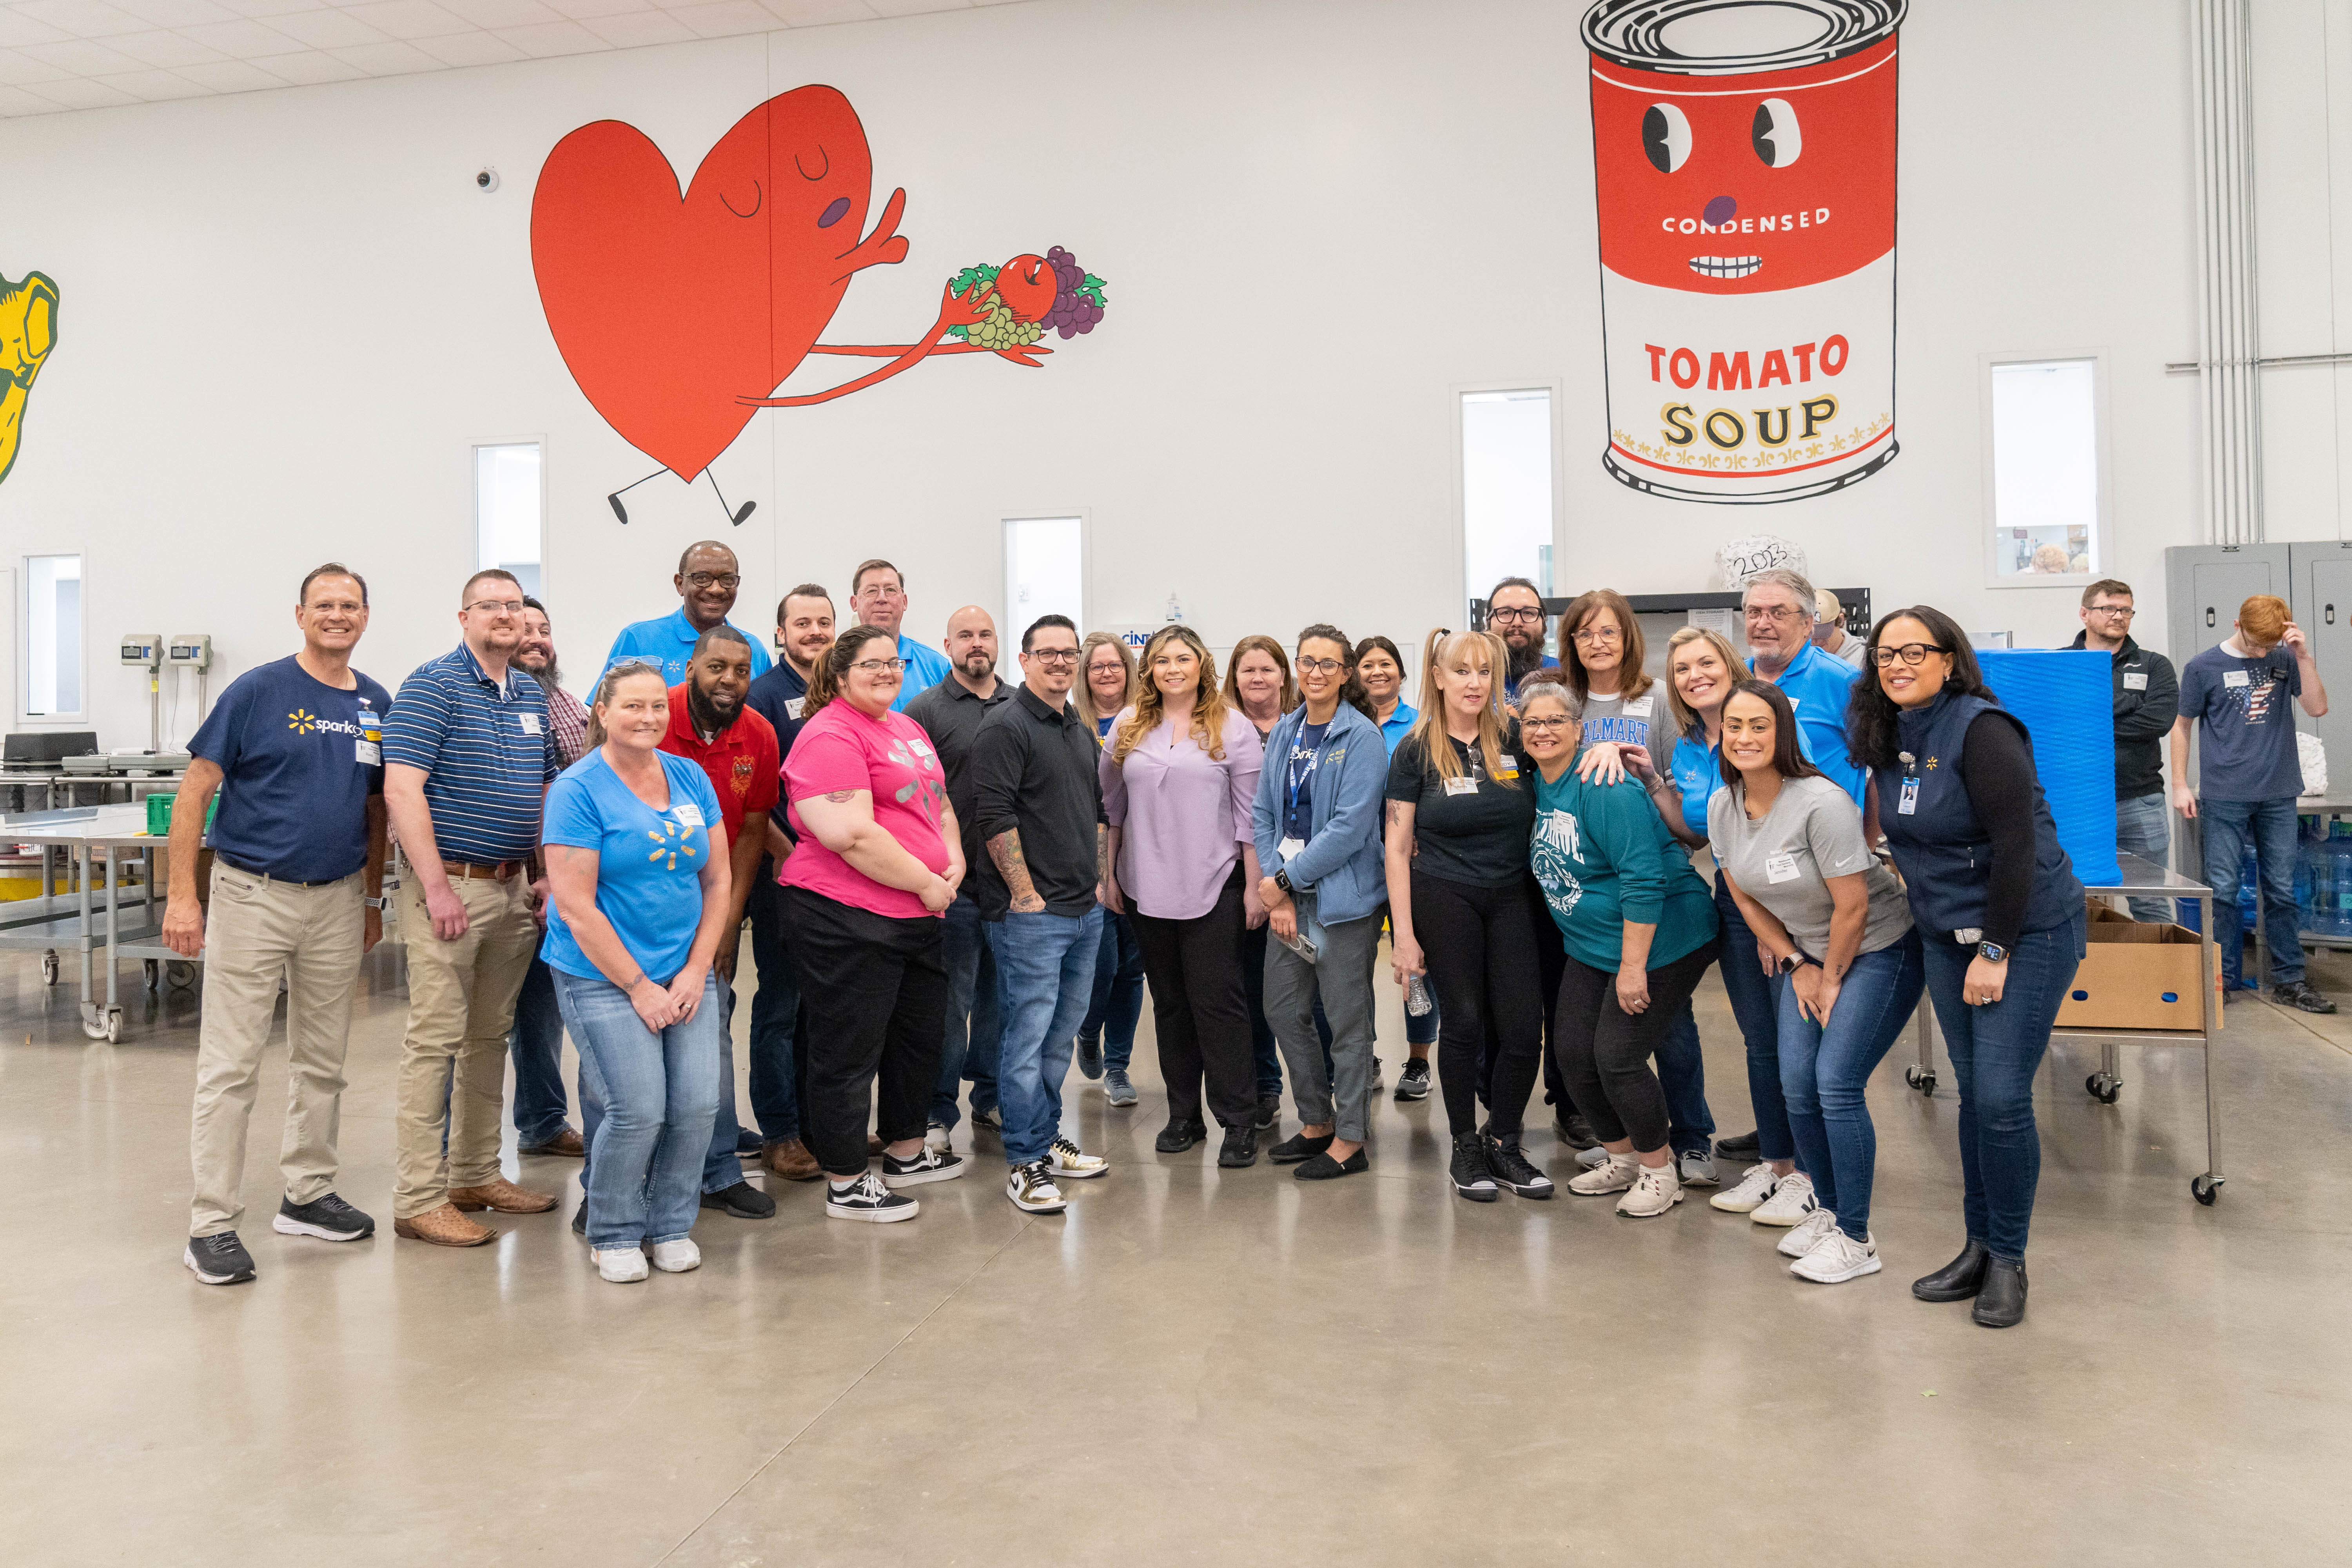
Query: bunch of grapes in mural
{"points": [[1027, 296]]}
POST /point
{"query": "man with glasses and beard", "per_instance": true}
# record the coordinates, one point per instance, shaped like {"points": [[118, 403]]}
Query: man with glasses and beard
{"points": [[706, 579], [950, 713], [536, 1045], [1516, 613]]}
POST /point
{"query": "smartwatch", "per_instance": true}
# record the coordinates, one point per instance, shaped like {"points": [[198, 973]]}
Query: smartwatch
{"points": [[1790, 962], [1992, 952]]}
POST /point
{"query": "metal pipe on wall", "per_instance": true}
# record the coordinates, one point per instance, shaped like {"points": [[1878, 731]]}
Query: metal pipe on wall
{"points": [[2229, 320]]}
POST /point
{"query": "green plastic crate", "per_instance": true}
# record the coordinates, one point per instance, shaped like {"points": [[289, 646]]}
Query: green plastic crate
{"points": [[159, 813]]}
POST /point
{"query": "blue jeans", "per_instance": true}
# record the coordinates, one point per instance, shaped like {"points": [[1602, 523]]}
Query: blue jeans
{"points": [[1116, 1000], [1045, 975], [1681, 1074], [722, 1167], [658, 1094], [775, 1010], [1996, 1049], [1756, 1007], [2270, 825], [537, 1047], [1823, 1072], [968, 1048], [2143, 827]]}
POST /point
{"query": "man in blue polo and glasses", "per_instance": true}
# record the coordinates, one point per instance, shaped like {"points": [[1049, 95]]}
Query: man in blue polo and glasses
{"points": [[707, 580]]}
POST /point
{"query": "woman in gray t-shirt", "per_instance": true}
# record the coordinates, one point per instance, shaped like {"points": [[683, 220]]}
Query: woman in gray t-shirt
{"points": [[1835, 927]]}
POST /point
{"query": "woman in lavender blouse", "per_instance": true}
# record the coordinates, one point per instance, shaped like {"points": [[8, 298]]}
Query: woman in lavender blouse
{"points": [[1179, 773]]}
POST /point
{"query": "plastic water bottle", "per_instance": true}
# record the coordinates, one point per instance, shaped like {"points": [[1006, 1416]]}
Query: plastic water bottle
{"points": [[2310, 880], [2338, 852], [1417, 1000], [2248, 904]]}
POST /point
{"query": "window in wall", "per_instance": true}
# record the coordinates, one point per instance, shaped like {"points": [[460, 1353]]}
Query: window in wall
{"points": [[2045, 469], [1045, 574], [1506, 488], [509, 510], [53, 635]]}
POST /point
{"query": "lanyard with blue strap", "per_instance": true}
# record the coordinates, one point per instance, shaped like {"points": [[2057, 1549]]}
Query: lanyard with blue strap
{"points": [[1292, 778]]}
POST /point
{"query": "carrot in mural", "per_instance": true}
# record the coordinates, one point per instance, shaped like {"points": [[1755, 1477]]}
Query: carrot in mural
{"points": [[679, 314], [28, 330]]}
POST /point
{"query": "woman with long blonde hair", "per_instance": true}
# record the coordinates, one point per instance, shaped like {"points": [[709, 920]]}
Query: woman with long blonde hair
{"points": [[1459, 814], [1107, 1037], [1178, 778]]}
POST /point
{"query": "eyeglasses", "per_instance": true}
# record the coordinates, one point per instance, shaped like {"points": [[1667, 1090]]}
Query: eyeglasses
{"points": [[1053, 655], [1779, 613], [712, 579], [880, 591], [876, 665], [498, 607], [1912, 652], [1546, 725], [2113, 612], [1319, 666], [1499, 615], [1592, 635]]}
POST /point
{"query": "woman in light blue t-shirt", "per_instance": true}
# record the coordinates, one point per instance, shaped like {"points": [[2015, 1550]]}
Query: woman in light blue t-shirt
{"points": [[636, 857]]}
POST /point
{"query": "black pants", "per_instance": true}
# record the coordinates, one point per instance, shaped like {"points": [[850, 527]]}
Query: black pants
{"points": [[877, 994], [1199, 1010], [1484, 962], [1605, 1051]]}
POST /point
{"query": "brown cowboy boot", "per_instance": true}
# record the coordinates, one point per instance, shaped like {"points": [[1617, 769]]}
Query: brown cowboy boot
{"points": [[502, 1195], [444, 1226]]}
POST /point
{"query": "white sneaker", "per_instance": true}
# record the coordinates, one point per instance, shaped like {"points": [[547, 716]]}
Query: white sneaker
{"points": [[1656, 1190], [1031, 1187], [1067, 1161], [1838, 1257], [935, 1136], [1807, 1233], [1592, 1159], [1790, 1201], [1749, 1195], [1613, 1175], [621, 1265], [676, 1257]]}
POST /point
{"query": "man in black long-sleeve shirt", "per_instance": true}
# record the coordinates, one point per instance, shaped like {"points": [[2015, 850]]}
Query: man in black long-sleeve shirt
{"points": [[1036, 804], [2148, 699]]}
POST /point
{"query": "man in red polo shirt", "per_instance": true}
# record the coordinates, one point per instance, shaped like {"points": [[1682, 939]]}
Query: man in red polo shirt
{"points": [[710, 725]]}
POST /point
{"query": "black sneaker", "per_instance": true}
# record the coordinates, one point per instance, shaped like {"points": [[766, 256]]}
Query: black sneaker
{"points": [[1743, 1147], [218, 1259], [329, 1219], [1240, 1149], [867, 1199], [989, 1120], [1179, 1135], [1323, 1168], [1269, 1110], [1511, 1168], [1412, 1083], [1090, 1061], [2298, 994], [1575, 1131], [748, 1144], [579, 1217], [742, 1200], [1472, 1179], [929, 1165], [1297, 1147]]}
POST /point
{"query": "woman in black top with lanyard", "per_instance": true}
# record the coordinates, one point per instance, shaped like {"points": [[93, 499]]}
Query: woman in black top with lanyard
{"points": [[1455, 791], [1998, 910]]}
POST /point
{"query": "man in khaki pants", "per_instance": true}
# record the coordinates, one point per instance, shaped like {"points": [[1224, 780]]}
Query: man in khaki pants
{"points": [[297, 862], [467, 753]]}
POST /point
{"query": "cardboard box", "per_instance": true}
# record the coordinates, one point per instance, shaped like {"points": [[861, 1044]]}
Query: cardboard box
{"points": [[2136, 976]]}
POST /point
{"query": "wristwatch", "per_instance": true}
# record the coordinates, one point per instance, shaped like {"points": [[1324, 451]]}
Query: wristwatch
{"points": [[1788, 964], [1992, 952], [1282, 880]]}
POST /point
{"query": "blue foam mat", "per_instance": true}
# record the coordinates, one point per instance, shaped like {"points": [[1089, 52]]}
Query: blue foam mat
{"points": [[2065, 698]]}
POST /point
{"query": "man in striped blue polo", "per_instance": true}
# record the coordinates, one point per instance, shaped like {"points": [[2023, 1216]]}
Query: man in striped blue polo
{"points": [[467, 753]]}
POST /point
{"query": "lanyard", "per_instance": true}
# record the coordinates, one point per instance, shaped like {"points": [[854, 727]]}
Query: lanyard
{"points": [[1292, 778]]}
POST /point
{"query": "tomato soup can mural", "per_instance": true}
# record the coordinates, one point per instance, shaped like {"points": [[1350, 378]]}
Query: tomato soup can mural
{"points": [[1744, 164]]}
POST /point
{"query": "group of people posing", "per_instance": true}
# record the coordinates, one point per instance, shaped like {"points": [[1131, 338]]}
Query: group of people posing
{"points": [[957, 883]]}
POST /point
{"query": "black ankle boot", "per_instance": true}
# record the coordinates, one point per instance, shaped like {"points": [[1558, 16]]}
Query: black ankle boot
{"points": [[1958, 1280], [2001, 1303]]}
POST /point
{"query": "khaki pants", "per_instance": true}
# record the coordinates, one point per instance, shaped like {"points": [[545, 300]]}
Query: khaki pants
{"points": [[461, 1003], [260, 929]]}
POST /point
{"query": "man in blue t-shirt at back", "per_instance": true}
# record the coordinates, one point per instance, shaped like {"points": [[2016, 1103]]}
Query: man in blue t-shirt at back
{"points": [[2249, 774], [295, 749]]}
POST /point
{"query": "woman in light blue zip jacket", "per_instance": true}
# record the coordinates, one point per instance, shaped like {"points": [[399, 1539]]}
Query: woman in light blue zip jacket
{"points": [[1316, 824]]}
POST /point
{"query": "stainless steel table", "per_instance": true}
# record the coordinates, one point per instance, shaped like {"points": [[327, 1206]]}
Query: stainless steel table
{"points": [[2142, 879], [90, 840]]}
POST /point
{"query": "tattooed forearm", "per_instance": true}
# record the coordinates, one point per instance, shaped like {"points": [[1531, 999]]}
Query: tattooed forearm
{"points": [[1004, 849]]}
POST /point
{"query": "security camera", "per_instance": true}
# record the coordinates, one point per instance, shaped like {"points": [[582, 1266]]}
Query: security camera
{"points": [[486, 179]]}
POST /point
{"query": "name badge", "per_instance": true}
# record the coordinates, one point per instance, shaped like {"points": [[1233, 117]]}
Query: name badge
{"points": [[2235, 678], [792, 705], [370, 755], [1289, 849], [1462, 787], [1640, 707], [1506, 766], [687, 814], [1781, 868], [530, 723], [1909, 805], [2135, 682]]}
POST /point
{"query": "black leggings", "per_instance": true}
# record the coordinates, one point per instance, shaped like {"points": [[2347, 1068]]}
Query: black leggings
{"points": [[1605, 1051], [1199, 1011], [876, 992], [1480, 947]]}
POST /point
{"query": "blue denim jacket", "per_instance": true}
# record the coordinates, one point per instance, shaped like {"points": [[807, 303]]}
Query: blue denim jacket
{"points": [[1341, 864]]}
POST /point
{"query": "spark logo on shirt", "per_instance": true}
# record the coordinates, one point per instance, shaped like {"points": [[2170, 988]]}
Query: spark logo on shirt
{"points": [[302, 721], [670, 841]]}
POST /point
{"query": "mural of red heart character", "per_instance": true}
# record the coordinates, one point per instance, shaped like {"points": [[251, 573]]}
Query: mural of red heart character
{"points": [[678, 312]]}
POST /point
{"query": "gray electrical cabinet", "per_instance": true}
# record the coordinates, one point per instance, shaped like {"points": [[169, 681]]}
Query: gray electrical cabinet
{"points": [[2205, 583], [2208, 581]]}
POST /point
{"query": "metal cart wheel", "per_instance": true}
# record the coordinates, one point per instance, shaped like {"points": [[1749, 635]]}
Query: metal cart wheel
{"points": [[105, 1024], [2102, 1087], [49, 967], [153, 973], [2206, 1187], [179, 974], [1921, 1078]]}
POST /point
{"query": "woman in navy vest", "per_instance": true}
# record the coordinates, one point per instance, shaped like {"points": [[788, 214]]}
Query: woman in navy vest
{"points": [[1997, 907]]}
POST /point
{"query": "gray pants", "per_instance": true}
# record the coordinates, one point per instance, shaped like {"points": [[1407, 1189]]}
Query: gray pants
{"points": [[2143, 827], [1344, 975]]}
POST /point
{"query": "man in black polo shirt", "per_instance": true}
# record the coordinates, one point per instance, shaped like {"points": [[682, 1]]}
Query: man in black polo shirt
{"points": [[1037, 807], [950, 713]]}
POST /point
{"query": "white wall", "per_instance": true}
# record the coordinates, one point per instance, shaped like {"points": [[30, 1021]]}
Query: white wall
{"points": [[286, 316]]}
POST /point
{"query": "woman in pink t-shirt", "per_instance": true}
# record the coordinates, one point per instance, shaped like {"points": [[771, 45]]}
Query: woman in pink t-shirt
{"points": [[878, 858]]}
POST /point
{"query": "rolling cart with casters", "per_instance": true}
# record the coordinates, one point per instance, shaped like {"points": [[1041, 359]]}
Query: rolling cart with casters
{"points": [[91, 843], [2141, 879]]}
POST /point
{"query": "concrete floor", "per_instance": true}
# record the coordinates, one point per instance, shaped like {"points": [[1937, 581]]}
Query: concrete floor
{"points": [[1191, 1365]]}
